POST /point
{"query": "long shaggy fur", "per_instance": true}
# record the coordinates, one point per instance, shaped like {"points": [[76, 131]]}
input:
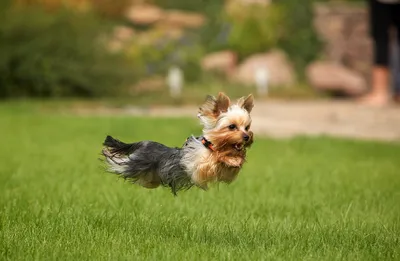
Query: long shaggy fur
{"points": [[152, 164], [147, 163]]}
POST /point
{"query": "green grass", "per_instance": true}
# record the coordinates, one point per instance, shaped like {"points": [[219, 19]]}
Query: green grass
{"points": [[298, 199]]}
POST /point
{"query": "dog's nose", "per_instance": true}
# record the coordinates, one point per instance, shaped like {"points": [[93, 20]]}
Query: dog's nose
{"points": [[246, 137]]}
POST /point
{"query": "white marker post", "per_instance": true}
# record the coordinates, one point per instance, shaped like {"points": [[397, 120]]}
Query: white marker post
{"points": [[261, 78], [175, 81]]}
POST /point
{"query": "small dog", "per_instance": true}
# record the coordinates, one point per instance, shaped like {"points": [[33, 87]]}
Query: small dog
{"points": [[216, 156]]}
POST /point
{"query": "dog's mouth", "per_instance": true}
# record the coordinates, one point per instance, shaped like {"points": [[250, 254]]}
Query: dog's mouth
{"points": [[238, 146]]}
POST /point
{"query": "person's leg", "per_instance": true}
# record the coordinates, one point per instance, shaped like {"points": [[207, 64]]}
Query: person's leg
{"points": [[380, 21], [395, 67], [396, 73]]}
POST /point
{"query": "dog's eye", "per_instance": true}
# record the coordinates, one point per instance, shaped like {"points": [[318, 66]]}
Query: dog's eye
{"points": [[232, 126], [247, 127]]}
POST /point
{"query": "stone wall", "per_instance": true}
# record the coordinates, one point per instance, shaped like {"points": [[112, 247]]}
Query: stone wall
{"points": [[344, 28]]}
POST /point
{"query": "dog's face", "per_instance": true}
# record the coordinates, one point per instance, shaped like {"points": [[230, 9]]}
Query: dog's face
{"points": [[227, 125]]}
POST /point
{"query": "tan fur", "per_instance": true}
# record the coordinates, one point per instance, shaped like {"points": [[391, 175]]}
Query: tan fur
{"points": [[211, 108], [247, 103], [224, 163], [211, 167], [215, 170]]}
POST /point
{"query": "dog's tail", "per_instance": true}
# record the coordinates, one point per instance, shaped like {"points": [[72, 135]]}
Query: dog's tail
{"points": [[115, 146], [117, 153]]}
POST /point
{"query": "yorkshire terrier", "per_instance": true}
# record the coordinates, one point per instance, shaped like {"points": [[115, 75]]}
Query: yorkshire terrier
{"points": [[216, 156]]}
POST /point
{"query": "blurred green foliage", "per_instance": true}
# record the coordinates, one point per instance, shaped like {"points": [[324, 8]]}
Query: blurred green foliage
{"points": [[254, 28], [284, 24], [110, 8], [299, 39], [62, 53], [56, 54], [212, 35], [158, 53], [250, 29]]}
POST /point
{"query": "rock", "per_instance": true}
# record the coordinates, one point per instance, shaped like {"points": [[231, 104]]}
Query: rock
{"points": [[332, 35], [344, 30], [223, 61], [359, 51], [332, 77], [280, 71], [119, 38], [123, 33], [183, 19], [144, 14], [147, 14]]}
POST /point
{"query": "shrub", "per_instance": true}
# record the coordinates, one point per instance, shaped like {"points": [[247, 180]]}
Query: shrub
{"points": [[158, 53], [284, 24], [212, 35], [299, 39], [56, 54], [106, 8], [254, 28]]}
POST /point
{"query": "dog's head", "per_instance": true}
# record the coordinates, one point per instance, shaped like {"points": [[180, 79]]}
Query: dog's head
{"points": [[227, 125]]}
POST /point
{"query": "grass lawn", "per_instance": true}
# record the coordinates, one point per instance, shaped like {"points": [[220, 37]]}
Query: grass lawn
{"points": [[297, 199]]}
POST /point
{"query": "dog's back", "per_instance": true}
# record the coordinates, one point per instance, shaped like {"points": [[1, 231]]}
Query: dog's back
{"points": [[147, 163]]}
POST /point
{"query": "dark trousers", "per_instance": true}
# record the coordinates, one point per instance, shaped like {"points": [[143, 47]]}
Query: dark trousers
{"points": [[395, 66], [383, 17]]}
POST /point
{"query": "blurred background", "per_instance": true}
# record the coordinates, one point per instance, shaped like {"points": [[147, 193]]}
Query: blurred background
{"points": [[146, 53], [140, 49], [74, 71]]}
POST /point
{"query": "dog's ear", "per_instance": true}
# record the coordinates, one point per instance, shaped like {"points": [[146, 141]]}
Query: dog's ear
{"points": [[212, 107], [223, 103], [207, 109], [247, 103]]}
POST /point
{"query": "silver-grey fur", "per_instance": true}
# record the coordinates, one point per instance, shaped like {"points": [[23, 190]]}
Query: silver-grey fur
{"points": [[149, 161]]}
